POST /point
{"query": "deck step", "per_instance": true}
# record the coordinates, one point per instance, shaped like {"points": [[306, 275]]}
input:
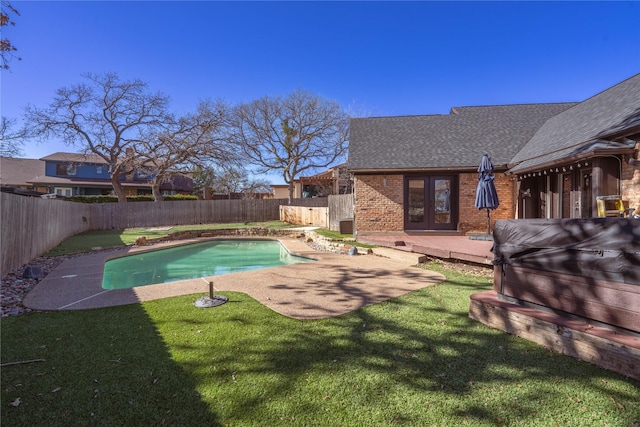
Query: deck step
{"points": [[402, 255]]}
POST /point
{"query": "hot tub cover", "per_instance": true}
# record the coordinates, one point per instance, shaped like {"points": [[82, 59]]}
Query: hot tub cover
{"points": [[596, 248]]}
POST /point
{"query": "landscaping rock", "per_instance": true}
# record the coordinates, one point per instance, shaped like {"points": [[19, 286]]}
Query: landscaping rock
{"points": [[15, 285], [33, 272]]}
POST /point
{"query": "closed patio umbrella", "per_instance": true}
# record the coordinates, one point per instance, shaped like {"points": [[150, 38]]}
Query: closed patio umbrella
{"points": [[486, 194]]}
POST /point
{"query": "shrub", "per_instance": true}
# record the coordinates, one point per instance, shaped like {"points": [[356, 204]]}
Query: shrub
{"points": [[114, 199], [181, 197]]}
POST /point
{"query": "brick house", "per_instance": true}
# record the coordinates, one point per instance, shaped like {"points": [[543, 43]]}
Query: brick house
{"points": [[407, 168], [419, 173]]}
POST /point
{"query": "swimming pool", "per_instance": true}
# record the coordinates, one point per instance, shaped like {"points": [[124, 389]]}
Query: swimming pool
{"points": [[211, 258]]}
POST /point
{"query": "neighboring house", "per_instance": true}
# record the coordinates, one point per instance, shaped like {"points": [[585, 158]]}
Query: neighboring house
{"points": [[15, 172], [419, 173], [72, 174], [334, 181], [281, 191]]}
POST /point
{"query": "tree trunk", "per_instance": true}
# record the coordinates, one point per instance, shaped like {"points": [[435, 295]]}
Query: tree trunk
{"points": [[155, 189], [118, 189], [291, 188]]}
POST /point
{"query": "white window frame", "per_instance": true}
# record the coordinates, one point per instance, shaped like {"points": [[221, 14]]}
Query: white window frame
{"points": [[63, 191]]}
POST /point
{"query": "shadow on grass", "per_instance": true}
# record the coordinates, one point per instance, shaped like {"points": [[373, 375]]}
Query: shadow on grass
{"points": [[417, 360], [83, 242], [102, 367]]}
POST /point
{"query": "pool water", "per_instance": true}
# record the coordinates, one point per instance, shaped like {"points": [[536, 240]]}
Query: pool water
{"points": [[196, 260]]}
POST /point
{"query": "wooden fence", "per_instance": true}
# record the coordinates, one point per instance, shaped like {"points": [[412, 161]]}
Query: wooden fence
{"points": [[306, 216], [338, 208], [32, 226], [116, 216]]}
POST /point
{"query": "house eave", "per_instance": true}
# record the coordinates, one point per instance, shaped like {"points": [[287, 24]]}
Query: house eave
{"points": [[567, 160], [467, 169]]}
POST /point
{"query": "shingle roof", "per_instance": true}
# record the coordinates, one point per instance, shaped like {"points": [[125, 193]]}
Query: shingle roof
{"points": [[454, 141], [75, 157], [584, 127], [17, 171]]}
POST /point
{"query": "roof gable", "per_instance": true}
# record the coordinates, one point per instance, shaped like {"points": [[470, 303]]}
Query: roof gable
{"points": [[453, 141], [74, 158], [605, 116]]}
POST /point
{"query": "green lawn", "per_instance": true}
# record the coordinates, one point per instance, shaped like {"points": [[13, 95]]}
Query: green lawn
{"points": [[417, 360], [83, 242]]}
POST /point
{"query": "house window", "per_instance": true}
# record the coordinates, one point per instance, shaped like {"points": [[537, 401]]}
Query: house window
{"points": [[99, 170], [143, 173], [65, 169], [64, 191]]}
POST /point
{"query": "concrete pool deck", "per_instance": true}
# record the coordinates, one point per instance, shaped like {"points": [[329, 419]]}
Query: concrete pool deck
{"points": [[332, 285]]}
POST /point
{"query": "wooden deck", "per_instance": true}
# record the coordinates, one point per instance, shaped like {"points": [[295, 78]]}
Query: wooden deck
{"points": [[606, 301], [608, 348]]}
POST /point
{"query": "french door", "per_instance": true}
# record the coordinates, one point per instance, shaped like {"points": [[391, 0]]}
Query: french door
{"points": [[431, 203]]}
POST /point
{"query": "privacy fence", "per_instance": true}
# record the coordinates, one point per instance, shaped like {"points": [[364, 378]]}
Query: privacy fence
{"points": [[32, 226], [339, 208]]}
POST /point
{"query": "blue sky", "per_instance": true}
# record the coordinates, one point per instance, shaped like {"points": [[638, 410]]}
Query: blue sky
{"points": [[374, 58]]}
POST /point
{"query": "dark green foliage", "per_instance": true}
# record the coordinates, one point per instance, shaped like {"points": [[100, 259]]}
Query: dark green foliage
{"points": [[180, 197], [114, 199]]}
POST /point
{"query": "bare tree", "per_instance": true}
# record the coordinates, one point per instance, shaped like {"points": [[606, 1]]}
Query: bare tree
{"points": [[11, 141], [299, 133], [6, 47], [203, 177], [228, 180], [187, 143], [252, 188], [106, 116], [237, 179]]}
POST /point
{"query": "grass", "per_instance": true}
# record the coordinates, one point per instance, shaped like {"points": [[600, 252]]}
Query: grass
{"points": [[336, 235], [330, 234], [416, 360], [83, 242]]}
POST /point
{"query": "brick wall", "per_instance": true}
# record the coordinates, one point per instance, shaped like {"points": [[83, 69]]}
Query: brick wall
{"points": [[474, 220], [379, 201], [630, 184], [379, 207]]}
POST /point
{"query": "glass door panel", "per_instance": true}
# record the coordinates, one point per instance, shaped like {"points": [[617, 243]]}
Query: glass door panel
{"points": [[430, 203], [442, 202], [586, 199], [416, 202]]}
